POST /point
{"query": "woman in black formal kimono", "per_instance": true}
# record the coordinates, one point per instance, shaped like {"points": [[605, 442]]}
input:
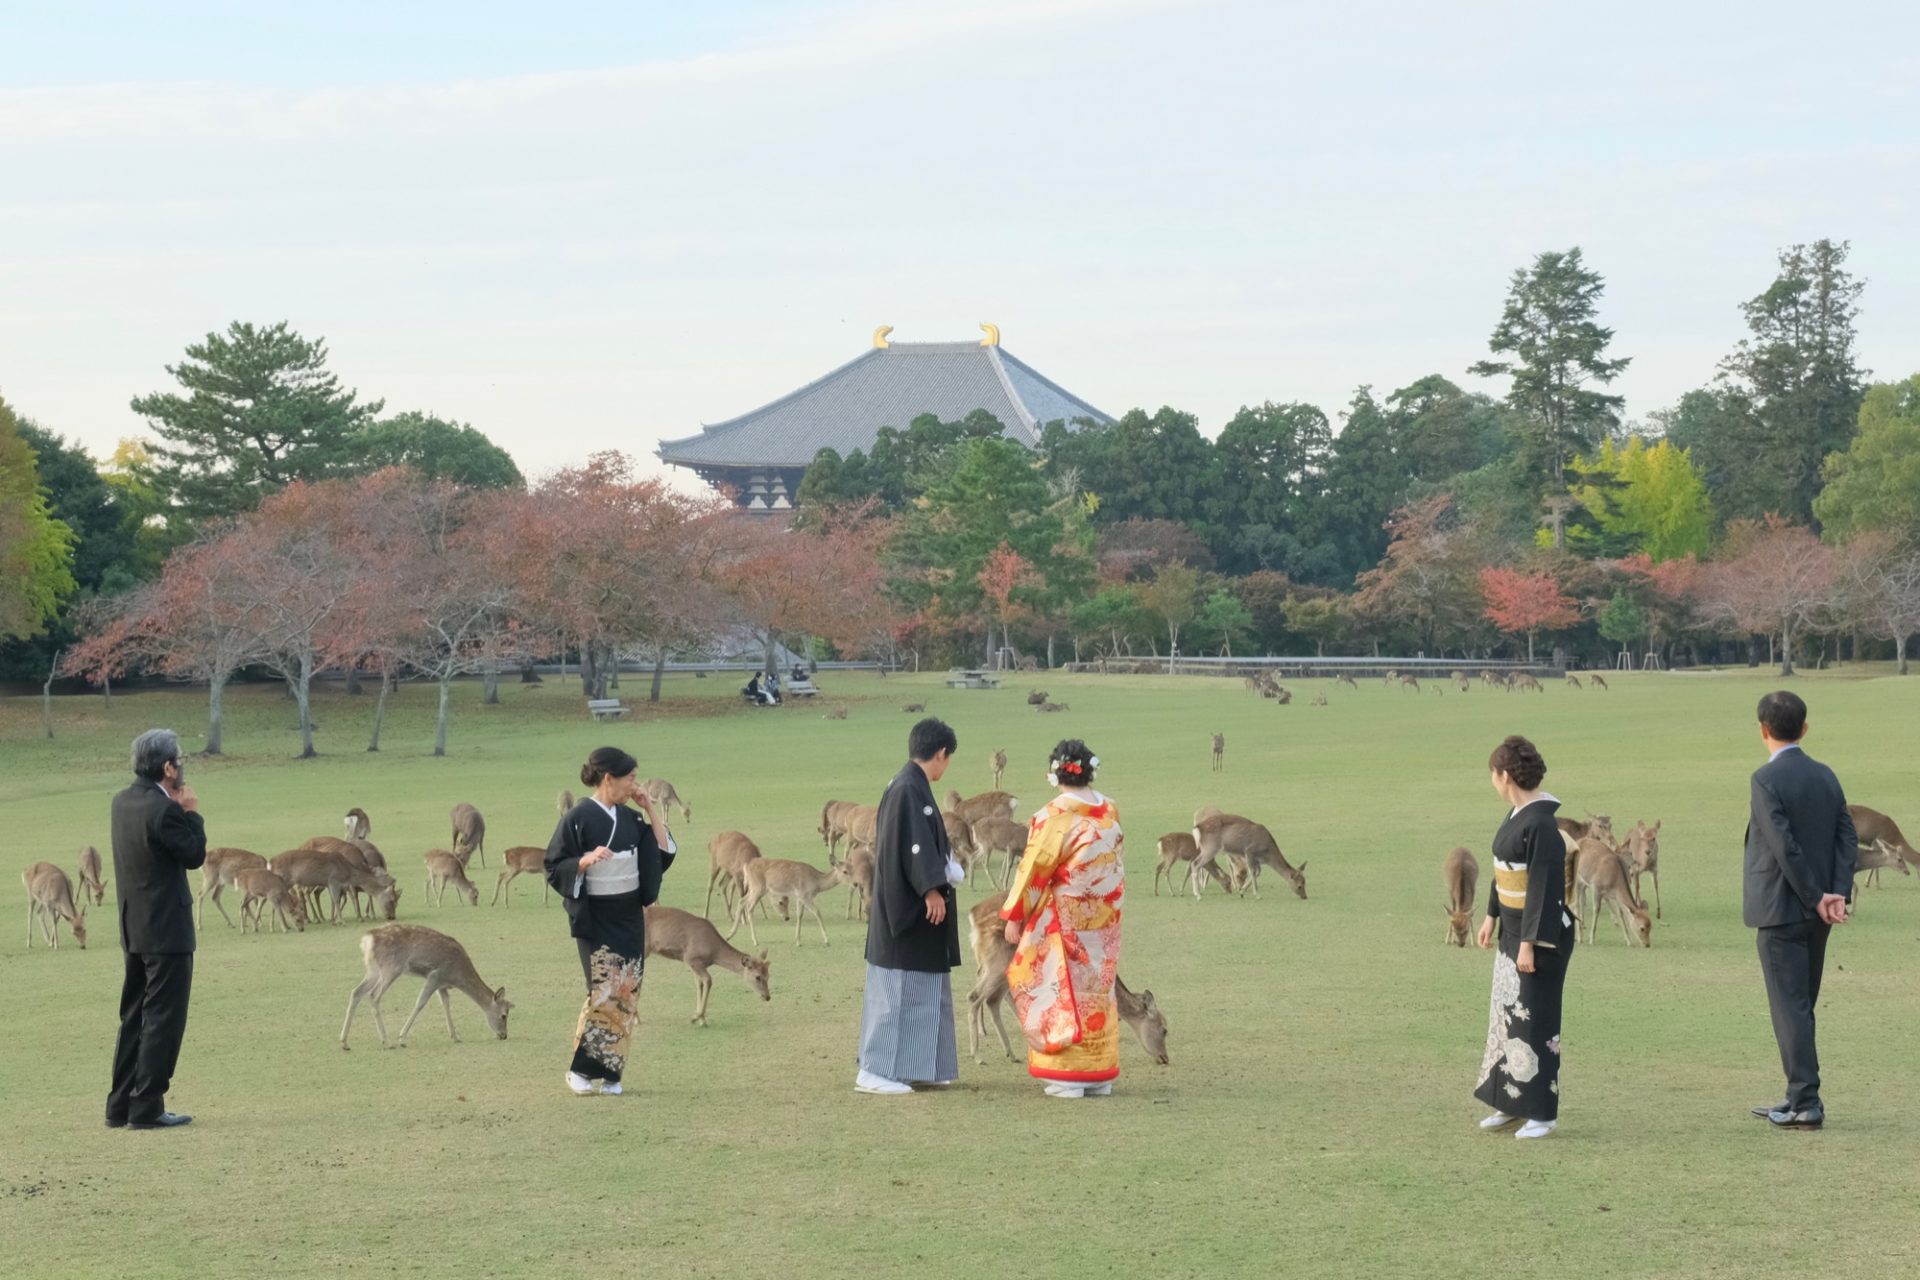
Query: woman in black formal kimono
{"points": [[1520, 1074], [606, 864]]}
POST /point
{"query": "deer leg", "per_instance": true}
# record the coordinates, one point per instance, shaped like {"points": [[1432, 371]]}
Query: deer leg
{"points": [[993, 1006], [353, 1002], [31, 913], [806, 906], [1655, 871], [427, 989], [446, 1006], [707, 910], [498, 885], [702, 986], [219, 907]]}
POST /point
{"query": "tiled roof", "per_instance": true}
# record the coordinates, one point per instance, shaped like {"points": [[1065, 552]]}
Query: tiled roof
{"points": [[885, 387]]}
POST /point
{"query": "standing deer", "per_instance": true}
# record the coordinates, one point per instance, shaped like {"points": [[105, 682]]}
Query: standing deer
{"points": [[1871, 825], [1176, 848], [1640, 852], [999, 763], [1346, 678], [1460, 678], [322, 870], [260, 889], [1219, 752], [661, 792], [728, 853], [996, 834], [444, 869], [50, 900], [469, 834], [222, 868], [1459, 873], [681, 935], [394, 949], [522, 860], [991, 955], [359, 851], [1523, 682], [92, 885], [798, 882], [859, 865], [1408, 681], [358, 825], [1600, 879], [965, 851], [985, 805], [1598, 681], [1230, 834]]}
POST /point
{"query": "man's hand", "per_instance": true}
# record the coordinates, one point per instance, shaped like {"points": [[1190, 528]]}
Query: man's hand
{"points": [[1486, 933], [1013, 932], [1833, 908], [936, 907], [186, 799], [1524, 961]]}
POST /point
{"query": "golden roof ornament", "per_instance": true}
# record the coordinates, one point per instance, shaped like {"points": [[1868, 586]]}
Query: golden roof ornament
{"points": [[880, 342], [993, 335]]}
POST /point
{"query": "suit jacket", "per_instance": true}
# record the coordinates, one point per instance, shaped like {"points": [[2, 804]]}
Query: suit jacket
{"points": [[1800, 841], [910, 861], [155, 844]]}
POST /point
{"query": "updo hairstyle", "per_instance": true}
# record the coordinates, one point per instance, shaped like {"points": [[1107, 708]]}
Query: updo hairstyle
{"points": [[1520, 760], [607, 762], [1072, 764]]}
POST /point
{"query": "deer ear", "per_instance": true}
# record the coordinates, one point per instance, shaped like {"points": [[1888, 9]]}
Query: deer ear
{"points": [[763, 955], [501, 994]]}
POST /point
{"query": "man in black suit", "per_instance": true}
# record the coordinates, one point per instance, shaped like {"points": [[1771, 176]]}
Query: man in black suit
{"points": [[158, 836], [1801, 849]]}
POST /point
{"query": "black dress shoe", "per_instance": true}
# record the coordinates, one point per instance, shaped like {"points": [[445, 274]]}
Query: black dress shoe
{"points": [[1811, 1118], [1764, 1112], [116, 1124], [166, 1120]]}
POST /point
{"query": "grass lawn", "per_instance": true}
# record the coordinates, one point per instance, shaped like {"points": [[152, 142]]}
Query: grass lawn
{"points": [[1316, 1119]]}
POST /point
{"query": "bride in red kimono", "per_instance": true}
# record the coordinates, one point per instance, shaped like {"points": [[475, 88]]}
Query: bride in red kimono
{"points": [[1063, 915]]}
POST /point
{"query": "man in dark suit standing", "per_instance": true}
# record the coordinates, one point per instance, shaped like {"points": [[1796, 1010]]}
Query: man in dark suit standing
{"points": [[158, 836], [1801, 849]]}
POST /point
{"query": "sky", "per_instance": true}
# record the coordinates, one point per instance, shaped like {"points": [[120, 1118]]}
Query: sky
{"points": [[585, 226]]}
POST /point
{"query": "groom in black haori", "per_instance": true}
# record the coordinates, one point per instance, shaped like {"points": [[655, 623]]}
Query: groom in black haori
{"points": [[913, 931]]}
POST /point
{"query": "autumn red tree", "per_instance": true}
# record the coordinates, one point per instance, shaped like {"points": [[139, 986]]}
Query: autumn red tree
{"points": [[824, 579], [1426, 581], [1519, 602], [1008, 583], [1879, 588], [1772, 577]]}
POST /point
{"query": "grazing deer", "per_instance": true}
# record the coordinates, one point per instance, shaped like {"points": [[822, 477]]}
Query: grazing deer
{"points": [[1390, 679], [1573, 681], [260, 889], [469, 834], [1409, 682], [50, 900], [358, 825], [995, 834], [1319, 700], [319, 869], [691, 939], [914, 708], [798, 882], [444, 869], [1230, 834], [1177, 847], [991, 955], [394, 949], [1600, 879], [999, 763], [1346, 678], [91, 884], [359, 851], [1219, 752], [1640, 852], [1523, 681], [522, 860], [859, 864], [1872, 857], [222, 868], [988, 804], [1871, 825], [1598, 681], [728, 854], [1036, 698], [1460, 678], [838, 713], [1459, 873], [661, 792]]}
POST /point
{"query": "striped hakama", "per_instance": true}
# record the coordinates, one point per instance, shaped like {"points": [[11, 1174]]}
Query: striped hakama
{"points": [[906, 1026]]}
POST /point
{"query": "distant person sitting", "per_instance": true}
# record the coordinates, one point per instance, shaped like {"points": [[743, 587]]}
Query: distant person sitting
{"points": [[766, 694], [771, 689], [799, 674]]}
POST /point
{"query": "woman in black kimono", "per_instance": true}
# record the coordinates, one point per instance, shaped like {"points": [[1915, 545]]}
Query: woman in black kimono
{"points": [[1520, 1074], [606, 864]]}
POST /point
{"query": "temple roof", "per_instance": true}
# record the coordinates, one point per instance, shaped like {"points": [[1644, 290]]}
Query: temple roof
{"points": [[888, 386]]}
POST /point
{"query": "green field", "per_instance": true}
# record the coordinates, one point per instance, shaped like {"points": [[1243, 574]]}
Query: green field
{"points": [[1316, 1118]]}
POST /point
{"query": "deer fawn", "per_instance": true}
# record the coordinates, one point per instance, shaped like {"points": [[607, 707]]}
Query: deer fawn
{"points": [[1179, 847], [1219, 752], [91, 884], [50, 900], [260, 889], [1600, 879], [798, 882], [222, 868], [522, 860], [681, 935], [394, 949], [1459, 874], [999, 763], [444, 869]]}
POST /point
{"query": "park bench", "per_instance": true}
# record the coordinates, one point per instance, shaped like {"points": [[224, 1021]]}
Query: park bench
{"points": [[606, 708], [800, 689], [971, 680]]}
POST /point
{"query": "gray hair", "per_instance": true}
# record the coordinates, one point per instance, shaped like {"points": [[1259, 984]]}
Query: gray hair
{"points": [[153, 751]]}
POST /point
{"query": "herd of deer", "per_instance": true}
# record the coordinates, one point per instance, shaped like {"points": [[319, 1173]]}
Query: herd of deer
{"points": [[1264, 683], [1602, 871]]}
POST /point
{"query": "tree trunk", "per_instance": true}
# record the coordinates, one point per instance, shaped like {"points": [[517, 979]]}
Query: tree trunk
{"points": [[440, 726], [353, 682], [303, 695], [527, 674], [215, 688], [813, 660], [380, 710], [46, 694], [106, 690], [1529, 648], [586, 671], [1900, 645], [612, 668], [1049, 650], [1173, 645], [770, 644], [493, 687], [1786, 646], [659, 673]]}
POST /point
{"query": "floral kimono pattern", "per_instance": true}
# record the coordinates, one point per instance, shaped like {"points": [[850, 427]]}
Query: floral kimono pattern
{"points": [[605, 1032], [1066, 895]]}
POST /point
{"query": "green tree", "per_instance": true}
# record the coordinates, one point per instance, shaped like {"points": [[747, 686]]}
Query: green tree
{"points": [[1270, 463], [1151, 467], [1645, 498], [1798, 376], [1621, 621], [1170, 597], [899, 466], [1110, 620], [1556, 350], [1874, 484], [1222, 622], [1439, 430], [1364, 487], [260, 410], [437, 449], [1321, 619], [36, 549], [1716, 427]]}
